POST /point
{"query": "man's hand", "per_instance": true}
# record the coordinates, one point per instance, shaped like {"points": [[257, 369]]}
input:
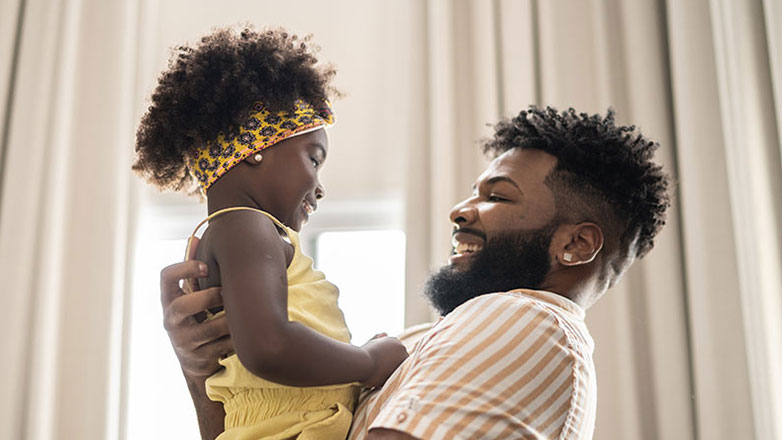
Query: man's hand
{"points": [[198, 345]]}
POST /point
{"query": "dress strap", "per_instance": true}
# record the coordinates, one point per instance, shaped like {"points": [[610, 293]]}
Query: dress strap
{"points": [[227, 210]]}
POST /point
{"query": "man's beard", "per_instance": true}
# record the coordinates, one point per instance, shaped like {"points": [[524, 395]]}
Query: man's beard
{"points": [[509, 261]]}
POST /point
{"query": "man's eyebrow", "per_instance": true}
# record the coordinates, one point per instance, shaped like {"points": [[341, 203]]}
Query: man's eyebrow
{"points": [[497, 179]]}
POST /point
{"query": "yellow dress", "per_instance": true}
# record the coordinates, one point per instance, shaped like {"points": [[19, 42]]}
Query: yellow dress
{"points": [[259, 409]]}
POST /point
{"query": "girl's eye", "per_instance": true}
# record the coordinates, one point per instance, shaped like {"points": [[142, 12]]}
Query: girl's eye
{"points": [[315, 162], [493, 198]]}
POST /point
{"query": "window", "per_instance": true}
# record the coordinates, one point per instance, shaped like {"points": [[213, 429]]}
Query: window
{"points": [[158, 402], [369, 269]]}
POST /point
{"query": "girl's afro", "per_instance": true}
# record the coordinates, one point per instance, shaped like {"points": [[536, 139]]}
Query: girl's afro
{"points": [[210, 88]]}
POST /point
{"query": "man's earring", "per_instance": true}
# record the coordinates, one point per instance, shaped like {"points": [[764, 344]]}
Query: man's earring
{"points": [[568, 257], [258, 157]]}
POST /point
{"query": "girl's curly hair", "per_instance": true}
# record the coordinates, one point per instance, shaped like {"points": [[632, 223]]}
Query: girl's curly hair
{"points": [[209, 88], [604, 172]]}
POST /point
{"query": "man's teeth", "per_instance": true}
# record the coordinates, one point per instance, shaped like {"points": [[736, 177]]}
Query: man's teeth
{"points": [[308, 208], [462, 248]]}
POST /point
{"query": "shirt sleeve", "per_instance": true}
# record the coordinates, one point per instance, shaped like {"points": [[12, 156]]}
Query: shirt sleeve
{"points": [[496, 367]]}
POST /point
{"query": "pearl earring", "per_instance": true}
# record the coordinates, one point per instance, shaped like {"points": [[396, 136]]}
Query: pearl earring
{"points": [[258, 157], [568, 257]]}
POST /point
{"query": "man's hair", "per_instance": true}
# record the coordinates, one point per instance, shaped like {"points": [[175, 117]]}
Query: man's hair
{"points": [[211, 87], [604, 172]]}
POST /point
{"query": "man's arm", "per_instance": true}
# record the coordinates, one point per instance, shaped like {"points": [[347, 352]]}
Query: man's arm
{"points": [[198, 346], [211, 415]]}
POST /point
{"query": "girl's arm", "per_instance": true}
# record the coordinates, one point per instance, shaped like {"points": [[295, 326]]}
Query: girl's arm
{"points": [[252, 261]]}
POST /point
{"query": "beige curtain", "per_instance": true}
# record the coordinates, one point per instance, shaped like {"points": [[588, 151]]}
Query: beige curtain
{"points": [[688, 343], [63, 215]]}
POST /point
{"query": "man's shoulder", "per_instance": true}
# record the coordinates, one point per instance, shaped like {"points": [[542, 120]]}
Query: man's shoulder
{"points": [[520, 301], [489, 315], [510, 302], [499, 315]]}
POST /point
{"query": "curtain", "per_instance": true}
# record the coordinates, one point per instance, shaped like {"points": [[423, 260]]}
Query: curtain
{"points": [[687, 344], [727, 118], [63, 215]]}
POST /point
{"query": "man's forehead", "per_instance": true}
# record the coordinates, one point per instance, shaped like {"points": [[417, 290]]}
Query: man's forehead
{"points": [[521, 165]]}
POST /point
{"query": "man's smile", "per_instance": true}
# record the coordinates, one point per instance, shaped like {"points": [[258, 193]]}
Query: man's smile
{"points": [[466, 243]]}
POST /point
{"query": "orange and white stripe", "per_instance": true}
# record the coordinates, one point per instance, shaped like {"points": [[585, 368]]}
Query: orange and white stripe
{"points": [[513, 365]]}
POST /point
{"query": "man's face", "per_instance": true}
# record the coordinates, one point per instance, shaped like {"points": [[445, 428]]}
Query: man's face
{"points": [[509, 196], [501, 233]]}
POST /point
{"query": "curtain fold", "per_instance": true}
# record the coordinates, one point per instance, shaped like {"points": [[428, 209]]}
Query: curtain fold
{"points": [[13, 12], [748, 114], [772, 15], [64, 220]]}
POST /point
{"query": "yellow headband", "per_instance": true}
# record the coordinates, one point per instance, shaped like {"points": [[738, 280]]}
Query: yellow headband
{"points": [[262, 130]]}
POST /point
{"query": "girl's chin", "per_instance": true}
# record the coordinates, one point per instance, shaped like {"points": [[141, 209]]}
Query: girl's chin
{"points": [[301, 219], [297, 225]]}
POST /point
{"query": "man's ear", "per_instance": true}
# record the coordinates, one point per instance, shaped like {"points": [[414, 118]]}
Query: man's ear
{"points": [[579, 244]]}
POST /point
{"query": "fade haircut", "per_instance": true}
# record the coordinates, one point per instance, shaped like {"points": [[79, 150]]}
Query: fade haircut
{"points": [[604, 172]]}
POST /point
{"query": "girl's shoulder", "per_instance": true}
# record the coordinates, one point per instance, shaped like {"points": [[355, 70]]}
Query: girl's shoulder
{"points": [[246, 224], [243, 229]]}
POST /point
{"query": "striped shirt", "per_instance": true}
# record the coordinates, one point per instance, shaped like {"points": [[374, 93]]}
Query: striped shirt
{"points": [[513, 365]]}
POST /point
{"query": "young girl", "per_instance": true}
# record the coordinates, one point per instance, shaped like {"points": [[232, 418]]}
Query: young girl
{"points": [[243, 117]]}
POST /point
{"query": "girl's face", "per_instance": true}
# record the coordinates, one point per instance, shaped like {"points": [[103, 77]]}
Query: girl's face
{"points": [[286, 182]]}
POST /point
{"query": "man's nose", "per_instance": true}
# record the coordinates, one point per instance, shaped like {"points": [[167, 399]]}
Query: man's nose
{"points": [[320, 192], [463, 213]]}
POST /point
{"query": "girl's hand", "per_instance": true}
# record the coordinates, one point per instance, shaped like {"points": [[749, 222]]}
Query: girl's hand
{"points": [[198, 345], [386, 354]]}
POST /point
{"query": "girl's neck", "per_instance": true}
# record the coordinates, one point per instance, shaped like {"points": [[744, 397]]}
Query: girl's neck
{"points": [[218, 200]]}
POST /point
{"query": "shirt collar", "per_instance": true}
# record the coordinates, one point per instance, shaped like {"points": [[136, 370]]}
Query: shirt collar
{"points": [[556, 300]]}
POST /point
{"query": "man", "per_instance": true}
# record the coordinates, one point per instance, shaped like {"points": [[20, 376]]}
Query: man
{"points": [[567, 205]]}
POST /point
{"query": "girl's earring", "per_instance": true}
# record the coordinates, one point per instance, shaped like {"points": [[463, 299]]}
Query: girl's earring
{"points": [[258, 157], [568, 257]]}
